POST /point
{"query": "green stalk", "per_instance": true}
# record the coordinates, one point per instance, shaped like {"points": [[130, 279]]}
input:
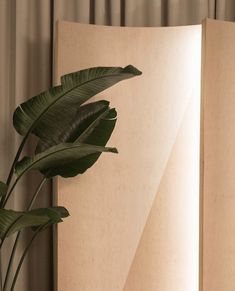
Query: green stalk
{"points": [[16, 159], [0, 270], [4, 202], [24, 255], [18, 234], [11, 261]]}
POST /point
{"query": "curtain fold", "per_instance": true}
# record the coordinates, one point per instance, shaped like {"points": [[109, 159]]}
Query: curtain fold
{"points": [[25, 66], [26, 30], [144, 12]]}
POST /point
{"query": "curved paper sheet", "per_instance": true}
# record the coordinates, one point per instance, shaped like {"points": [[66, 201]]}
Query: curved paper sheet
{"points": [[134, 216]]}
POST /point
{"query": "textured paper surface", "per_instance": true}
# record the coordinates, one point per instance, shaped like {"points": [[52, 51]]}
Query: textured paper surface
{"points": [[134, 216], [218, 215]]}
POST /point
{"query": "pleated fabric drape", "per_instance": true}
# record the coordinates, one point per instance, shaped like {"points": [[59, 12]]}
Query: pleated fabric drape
{"points": [[144, 12], [26, 56], [25, 70]]}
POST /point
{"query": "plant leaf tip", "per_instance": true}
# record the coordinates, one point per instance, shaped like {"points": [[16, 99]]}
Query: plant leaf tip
{"points": [[133, 70], [113, 150]]}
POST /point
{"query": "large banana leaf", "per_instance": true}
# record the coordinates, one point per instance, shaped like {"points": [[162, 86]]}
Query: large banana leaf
{"points": [[12, 221], [46, 113], [92, 124], [66, 160]]}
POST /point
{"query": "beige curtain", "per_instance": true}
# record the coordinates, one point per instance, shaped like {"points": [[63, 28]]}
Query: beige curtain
{"points": [[25, 70], [26, 54], [143, 12]]}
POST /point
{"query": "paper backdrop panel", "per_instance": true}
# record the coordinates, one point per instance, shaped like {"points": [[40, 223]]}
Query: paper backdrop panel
{"points": [[219, 157], [134, 216]]}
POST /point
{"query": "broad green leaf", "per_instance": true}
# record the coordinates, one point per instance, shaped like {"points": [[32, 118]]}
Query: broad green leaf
{"points": [[44, 114], [93, 124], [12, 221], [66, 160], [3, 189]]}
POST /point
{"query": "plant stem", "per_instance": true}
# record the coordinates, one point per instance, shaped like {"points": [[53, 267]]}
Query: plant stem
{"points": [[11, 261], [16, 159], [4, 202], [13, 165], [18, 234], [0, 270], [24, 255]]}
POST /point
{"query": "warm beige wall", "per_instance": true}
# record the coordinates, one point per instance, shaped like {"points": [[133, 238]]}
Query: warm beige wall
{"points": [[135, 216]]}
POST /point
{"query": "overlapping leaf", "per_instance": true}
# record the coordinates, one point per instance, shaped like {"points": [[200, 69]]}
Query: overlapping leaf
{"points": [[93, 119], [93, 124], [46, 113], [12, 221], [66, 160]]}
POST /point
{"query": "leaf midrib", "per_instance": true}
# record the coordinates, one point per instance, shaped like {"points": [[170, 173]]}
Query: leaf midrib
{"points": [[105, 113], [48, 155]]}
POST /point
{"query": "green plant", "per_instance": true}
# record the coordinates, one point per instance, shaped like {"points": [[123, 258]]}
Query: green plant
{"points": [[71, 137]]}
